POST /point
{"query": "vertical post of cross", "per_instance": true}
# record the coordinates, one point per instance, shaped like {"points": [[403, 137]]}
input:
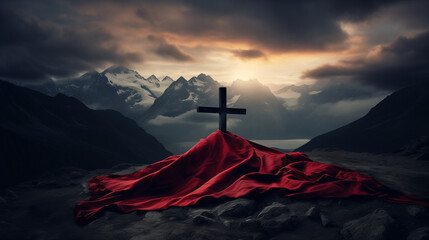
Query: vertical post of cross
{"points": [[222, 109]]}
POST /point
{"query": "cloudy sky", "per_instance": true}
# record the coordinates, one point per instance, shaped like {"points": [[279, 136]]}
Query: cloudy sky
{"points": [[384, 44]]}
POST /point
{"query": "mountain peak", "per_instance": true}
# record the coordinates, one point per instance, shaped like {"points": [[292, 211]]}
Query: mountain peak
{"points": [[205, 77], [153, 79], [181, 79], [201, 75], [202, 80], [90, 74], [168, 79], [116, 69]]}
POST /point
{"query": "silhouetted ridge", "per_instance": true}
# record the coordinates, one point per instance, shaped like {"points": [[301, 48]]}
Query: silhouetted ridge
{"points": [[40, 133], [393, 123]]}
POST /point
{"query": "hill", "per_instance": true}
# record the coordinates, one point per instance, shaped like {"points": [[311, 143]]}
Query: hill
{"points": [[40, 133], [399, 120]]}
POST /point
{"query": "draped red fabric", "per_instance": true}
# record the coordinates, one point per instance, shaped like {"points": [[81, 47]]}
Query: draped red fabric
{"points": [[226, 165]]}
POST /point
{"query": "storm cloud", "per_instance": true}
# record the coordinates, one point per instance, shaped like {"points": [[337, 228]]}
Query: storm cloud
{"points": [[274, 25], [403, 62], [56, 39], [33, 50], [164, 49], [249, 54]]}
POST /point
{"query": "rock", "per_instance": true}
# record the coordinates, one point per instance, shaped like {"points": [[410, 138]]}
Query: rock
{"points": [[326, 222], [313, 213], [274, 197], [236, 208], [164, 232], [419, 234], [250, 224], [202, 220], [283, 222], [227, 223], [273, 210], [416, 210], [325, 202], [175, 213], [153, 216], [376, 225], [208, 214], [85, 188], [277, 218]]}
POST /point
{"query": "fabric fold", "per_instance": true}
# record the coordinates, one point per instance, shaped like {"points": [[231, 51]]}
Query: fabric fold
{"points": [[226, 165]]}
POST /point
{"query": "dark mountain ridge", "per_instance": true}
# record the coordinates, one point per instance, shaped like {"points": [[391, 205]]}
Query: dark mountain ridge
{"points": [[392, 124], [41, 133]]}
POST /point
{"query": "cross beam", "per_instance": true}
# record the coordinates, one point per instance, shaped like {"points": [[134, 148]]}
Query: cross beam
{"points": [[222, 109]]}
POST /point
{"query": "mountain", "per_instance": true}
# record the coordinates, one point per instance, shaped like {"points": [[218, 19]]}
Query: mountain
{"points": [[39, 133], [265, 116], [182, 96], [117, 88], [165, 83], [393, 124], [173, 117], [46, 86]]}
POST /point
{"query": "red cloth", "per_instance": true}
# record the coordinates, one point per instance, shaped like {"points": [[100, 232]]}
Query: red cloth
{"points": [[226, 165]]}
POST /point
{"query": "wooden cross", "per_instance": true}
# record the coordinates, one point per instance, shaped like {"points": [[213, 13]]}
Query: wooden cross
{"points": [[222, 109]]}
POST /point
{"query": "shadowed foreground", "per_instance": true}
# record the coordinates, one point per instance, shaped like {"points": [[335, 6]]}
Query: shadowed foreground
{"points": [[43, 209]]}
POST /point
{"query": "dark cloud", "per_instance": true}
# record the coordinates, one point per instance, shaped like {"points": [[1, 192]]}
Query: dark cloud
{"points": [[403, 62], [145, 15], [249, 54], [33, 50], [413, 14], [335, 91], [51, 38], [332, 71], [167, 50], [332, 103], [274, 25]]}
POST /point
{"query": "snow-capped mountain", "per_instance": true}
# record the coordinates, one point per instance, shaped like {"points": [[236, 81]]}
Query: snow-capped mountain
{"points": [[173, 115], [136, 87], [166, 82], [182, 96], [117, 88]]}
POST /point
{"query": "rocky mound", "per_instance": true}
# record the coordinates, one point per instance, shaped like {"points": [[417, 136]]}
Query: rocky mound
{"points": [[43, 209]]}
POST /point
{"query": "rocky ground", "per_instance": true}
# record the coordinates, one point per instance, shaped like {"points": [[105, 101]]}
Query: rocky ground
{"points": [[43, 209]]}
